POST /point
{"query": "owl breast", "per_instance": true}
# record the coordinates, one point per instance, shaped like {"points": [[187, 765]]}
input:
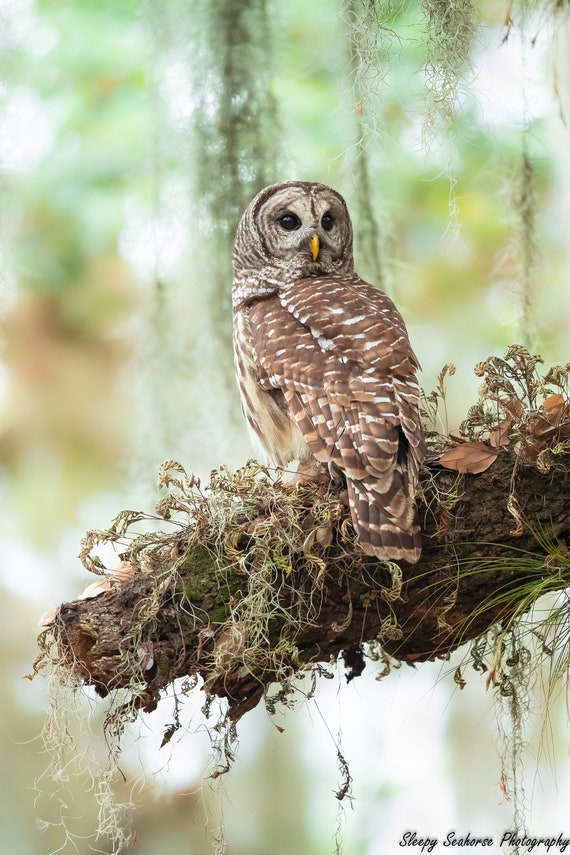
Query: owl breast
{"points": [[269, 423]]}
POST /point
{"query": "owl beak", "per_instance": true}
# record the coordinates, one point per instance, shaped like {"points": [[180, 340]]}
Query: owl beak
{"points": [[315, 246]]}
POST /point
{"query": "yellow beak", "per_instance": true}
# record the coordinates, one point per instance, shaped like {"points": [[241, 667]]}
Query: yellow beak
{"points": [[315, 246]]}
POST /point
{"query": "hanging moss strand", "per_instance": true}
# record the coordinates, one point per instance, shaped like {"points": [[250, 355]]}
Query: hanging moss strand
{"points": [[233, 129]]}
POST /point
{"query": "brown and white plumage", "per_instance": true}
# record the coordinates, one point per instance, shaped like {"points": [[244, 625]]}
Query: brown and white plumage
{"points": [[324, 365]]}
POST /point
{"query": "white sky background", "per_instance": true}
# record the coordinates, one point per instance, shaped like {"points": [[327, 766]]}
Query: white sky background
{"points": [[412, 737]]}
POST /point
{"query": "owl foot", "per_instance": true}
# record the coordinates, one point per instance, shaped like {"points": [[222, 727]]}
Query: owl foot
{"points": [[301, 472]]}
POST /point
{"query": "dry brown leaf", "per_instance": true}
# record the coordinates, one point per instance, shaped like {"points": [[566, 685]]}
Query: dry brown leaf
{"points": [[514, 409], [539, 427], [554, 406], [123, 572], [95, 589], [471, 457], [527, 449], [47, 618], [502, 434]]}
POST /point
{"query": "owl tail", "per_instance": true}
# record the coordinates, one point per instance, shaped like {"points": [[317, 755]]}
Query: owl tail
{"points": [[387, 523]]}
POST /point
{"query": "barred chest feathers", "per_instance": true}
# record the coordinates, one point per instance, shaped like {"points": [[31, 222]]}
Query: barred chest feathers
{"points": [[270, 426]]}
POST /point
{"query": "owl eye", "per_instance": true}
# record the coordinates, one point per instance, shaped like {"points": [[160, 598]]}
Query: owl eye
{"points": [[327, 222], [289, 222]]}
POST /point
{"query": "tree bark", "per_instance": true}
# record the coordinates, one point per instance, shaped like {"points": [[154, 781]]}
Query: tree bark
{"points": [[479, 562]]}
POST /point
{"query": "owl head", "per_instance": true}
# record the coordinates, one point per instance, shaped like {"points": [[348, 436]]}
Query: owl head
{"points": [[300, 227]]}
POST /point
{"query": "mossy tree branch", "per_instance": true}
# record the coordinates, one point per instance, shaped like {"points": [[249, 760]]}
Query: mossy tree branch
{"points": [[255, 605]]}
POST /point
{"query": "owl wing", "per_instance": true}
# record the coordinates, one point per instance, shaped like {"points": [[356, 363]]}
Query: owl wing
{"points": [[338, 351]]}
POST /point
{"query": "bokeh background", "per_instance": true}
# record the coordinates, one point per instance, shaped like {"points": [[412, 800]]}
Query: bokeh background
{"points": [[121, 177]]}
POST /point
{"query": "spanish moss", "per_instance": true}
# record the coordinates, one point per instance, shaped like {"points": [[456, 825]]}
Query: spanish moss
{"points": [[450, 30]]}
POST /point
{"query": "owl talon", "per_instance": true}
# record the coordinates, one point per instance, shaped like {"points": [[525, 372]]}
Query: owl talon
{"points": [[303, 473], [336, 474]]}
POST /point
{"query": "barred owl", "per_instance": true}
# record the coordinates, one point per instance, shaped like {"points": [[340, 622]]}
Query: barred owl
{"points": [[324, 365]]}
